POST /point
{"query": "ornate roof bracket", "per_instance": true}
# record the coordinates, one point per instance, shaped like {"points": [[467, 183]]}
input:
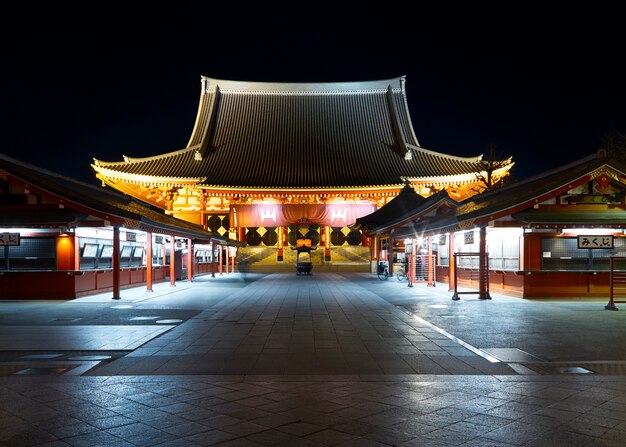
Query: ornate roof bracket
{"points": [[400, 145]]}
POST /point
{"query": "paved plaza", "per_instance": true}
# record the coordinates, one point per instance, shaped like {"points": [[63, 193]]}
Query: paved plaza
{"points": [[331, 359]]}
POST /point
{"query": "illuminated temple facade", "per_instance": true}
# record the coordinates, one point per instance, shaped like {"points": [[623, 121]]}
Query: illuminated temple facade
{"points": [[275, 165]]}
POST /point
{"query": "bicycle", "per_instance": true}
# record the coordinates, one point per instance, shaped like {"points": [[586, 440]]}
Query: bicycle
{"points": [[401, 275], [383, 272]]}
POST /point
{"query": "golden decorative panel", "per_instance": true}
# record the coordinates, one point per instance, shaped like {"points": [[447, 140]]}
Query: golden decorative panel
{"points": [[467, 224]]}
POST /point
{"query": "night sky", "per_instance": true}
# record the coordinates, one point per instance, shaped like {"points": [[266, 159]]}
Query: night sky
{"points": [[83, 81]]}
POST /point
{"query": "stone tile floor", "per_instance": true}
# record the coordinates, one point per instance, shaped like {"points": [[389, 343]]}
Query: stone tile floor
{"points": [[323, 360]]}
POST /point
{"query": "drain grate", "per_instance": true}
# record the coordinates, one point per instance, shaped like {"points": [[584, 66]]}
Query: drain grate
{"points": [[7, 370], [54, 364], [40, 356], [42, 371], [91, 357], [604, 368], [512, 355], [567, 370]]}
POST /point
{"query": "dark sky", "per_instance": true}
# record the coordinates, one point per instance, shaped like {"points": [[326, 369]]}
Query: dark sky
{"points": [[84, 81]]}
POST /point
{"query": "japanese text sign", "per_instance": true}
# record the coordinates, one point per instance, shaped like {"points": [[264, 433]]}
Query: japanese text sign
{"points": [[9, 239], [595, 241]]}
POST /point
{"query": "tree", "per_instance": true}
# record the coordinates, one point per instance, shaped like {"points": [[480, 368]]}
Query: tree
{"points": [[490, 176], [615, 144]]}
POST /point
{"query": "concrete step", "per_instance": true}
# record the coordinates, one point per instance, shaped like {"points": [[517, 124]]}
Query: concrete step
{"points": [[279, 268]]}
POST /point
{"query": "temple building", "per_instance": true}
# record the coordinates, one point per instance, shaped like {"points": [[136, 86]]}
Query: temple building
{"points": [[277, 165]]}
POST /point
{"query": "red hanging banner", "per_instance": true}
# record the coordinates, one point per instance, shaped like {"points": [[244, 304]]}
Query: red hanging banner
{"points": [[271, 215]]}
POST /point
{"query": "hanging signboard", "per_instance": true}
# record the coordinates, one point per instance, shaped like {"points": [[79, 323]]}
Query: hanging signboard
{"points": [[9, 239], [595, 241]]}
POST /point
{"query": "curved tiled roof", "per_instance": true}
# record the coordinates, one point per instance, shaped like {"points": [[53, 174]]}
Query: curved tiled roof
{"points": [[312, 135], [400, 206], [84, 199], [518, 199]]}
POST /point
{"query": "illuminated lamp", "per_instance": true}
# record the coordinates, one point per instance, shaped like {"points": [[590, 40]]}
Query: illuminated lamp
{"points": [[303, 242]]}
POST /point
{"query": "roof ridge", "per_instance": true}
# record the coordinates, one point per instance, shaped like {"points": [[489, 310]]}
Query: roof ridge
{"points": [[35, 168], [307, 87], [475, 158], [141, 159]]}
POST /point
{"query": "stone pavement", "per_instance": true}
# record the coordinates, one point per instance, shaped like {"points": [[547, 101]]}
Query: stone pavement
{"points": [[329, 359]]}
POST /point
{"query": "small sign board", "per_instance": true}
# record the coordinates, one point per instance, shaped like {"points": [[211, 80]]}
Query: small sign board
{"points": [[468, 238], [595, 241], [9, 239], [131, 237]]}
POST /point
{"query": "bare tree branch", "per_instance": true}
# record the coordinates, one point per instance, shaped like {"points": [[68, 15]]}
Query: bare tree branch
{"points": [[489, 166]]}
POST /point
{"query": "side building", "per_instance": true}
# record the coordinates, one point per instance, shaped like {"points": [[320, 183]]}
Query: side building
{"points": [[61, 238], [558, 234], [274, 165]]}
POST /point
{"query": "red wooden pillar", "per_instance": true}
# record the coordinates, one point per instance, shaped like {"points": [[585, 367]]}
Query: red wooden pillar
{"points": [[483, 268], [149, 261], [212, 260], [280, 257], [375, 248], [411, 273], [190, 259], [172, 261], [390, 255], [115, 263], [430, 265], [76, 260], [232, 266], [374, 254], [451, 262], [220, 258], [327, 253]]}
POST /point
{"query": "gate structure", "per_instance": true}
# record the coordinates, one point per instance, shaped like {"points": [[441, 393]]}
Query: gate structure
{"points": [[617, 282], [425, 270], [480, 274]]}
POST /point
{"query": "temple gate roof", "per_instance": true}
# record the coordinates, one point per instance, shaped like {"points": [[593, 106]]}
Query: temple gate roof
{"points": [[297, 135]]}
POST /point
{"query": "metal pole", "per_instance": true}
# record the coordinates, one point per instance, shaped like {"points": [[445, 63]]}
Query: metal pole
{"points": [[611, 305]]}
